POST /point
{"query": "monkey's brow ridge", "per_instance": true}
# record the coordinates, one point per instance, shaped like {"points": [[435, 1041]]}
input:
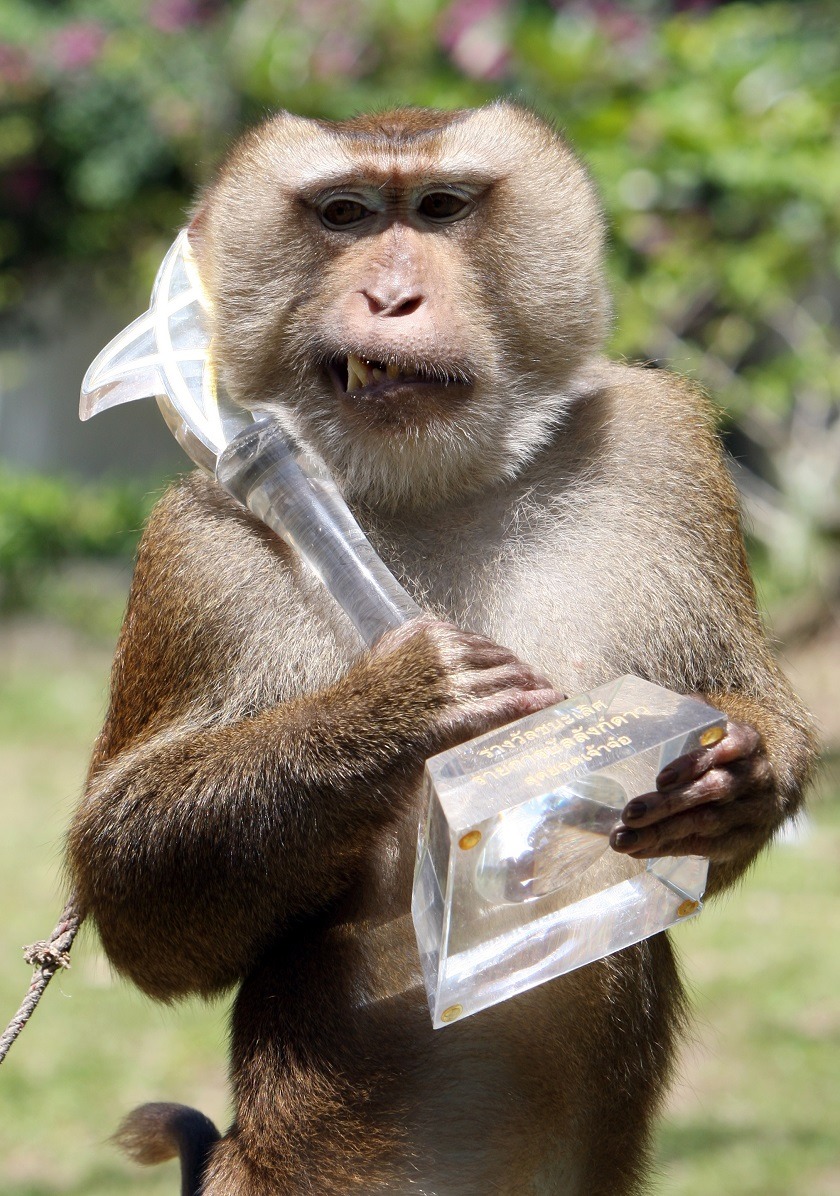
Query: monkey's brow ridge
{"points": [[395, 129]]}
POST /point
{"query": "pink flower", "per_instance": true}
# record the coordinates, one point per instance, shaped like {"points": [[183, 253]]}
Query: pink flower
{"points": [[474, 32], [322, 14], [613, 19], [338, 54], [15, 67], [78, 45], [171, 15]]}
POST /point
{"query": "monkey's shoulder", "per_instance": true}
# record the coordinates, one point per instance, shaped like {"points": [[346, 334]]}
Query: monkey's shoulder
{"points": [[213, 587], [663, 423], [205, 571], [199, 542], [195, 509], [656, 404]]}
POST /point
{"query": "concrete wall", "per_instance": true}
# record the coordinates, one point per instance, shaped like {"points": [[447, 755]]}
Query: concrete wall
{"points": [[45, 349]]}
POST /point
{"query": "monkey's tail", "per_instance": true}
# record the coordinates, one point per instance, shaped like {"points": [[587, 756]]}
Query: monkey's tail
{"points": [[157, 1132]]}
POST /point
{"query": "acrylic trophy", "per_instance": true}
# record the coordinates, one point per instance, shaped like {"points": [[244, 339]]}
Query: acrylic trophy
{"points": [[515, 882]]}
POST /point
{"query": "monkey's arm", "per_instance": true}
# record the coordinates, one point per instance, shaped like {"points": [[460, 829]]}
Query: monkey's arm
{"points": [[193, 846], [219, 809], [704, 636]]}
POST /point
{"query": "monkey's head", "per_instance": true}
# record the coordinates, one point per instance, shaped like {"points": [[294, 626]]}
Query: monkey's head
{"points": [[414, 290]]}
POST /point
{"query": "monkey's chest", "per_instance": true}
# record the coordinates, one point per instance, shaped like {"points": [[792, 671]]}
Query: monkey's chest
{"points": [[540, 592]]}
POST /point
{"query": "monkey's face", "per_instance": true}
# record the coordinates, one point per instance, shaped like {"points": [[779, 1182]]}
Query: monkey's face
{"points": [[414, 291]]}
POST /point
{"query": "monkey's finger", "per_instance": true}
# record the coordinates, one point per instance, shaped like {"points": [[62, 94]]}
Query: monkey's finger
{"points": [[496, 679], [466, 648], [544, 682], [720, 786], [517, 675], [698, 830], [486, 655], [740, 742], [529, 701], [734, 844], [458, 650], [495, 710]]}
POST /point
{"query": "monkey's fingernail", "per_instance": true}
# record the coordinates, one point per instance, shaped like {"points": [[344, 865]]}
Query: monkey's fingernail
{"points": [[624, 838], [635, 809], [667, 777]]}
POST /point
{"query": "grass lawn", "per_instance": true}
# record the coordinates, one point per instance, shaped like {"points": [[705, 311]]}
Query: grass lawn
{"points": [[756, 1113]]}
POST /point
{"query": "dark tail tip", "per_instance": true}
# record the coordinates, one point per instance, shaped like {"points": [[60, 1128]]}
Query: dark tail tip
{"points": [[157, 1132]]}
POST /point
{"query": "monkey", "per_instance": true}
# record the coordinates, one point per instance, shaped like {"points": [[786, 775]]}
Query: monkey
{"points": [[419, 296]]}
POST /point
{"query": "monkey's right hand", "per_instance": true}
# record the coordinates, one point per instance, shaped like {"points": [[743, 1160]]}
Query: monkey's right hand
{"points": [[460, 684]]}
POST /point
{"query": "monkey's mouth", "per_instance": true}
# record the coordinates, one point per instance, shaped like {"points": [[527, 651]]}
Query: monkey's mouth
{"points": [[361, 377]]}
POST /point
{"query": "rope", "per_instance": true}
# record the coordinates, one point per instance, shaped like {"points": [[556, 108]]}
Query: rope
{"points": [[47, 956]]}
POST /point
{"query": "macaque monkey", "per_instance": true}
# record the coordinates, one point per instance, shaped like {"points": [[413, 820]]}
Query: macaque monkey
{"points": [[420, 296]]}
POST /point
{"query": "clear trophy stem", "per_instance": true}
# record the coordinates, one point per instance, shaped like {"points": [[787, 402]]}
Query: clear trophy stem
{"points": [[260, 470]]}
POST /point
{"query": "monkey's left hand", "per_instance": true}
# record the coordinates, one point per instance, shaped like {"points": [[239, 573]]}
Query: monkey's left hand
{"points": [[715, 802]]}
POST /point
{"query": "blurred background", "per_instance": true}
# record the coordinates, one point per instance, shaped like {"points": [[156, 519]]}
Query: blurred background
{"points": [[712, 131]]}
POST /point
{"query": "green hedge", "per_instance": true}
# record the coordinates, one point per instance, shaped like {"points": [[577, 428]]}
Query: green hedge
{"points": [[47, 521]]}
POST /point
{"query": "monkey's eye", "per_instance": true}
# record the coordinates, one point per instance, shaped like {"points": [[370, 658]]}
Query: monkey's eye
{"points": [[443, 206], [343, 212]]}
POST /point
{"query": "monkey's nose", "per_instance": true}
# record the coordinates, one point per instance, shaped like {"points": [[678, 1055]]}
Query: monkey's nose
{"points": [[386, 303]]}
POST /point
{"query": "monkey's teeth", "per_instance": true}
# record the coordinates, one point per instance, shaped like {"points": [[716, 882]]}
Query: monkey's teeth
{"points": [[361, 373], [358, 371]]}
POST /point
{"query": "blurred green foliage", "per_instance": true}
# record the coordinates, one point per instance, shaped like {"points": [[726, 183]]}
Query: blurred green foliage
{"points": [[46, 521], [712, 130]]}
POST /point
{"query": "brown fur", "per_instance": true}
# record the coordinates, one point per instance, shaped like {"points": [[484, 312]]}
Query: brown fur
{"points": [[157, 1132], [252, 805]]}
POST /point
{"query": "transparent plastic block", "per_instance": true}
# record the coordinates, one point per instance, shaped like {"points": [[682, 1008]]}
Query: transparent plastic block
{"points": [[515, 880]]}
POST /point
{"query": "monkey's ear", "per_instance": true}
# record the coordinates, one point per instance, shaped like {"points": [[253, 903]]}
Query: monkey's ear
{"points": [[198, 238], [197, 227]]}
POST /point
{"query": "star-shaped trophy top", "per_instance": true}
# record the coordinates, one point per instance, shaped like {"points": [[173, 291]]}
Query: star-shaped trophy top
{"points": [[165, 354]]}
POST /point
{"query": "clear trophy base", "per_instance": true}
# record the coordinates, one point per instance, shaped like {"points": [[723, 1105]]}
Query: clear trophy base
{"points": [[515, 881]]}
